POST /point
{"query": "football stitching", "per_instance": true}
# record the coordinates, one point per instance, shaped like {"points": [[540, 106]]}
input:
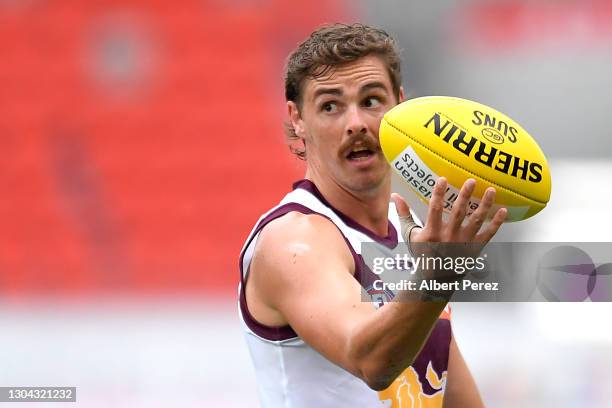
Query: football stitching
{"points": [[463, 168]]}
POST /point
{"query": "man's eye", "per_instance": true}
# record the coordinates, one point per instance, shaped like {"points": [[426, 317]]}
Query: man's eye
{"points": [[330, 107], [371, 102]]}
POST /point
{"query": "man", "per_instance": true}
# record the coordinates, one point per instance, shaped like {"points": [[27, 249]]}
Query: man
{"points": [[313, 341]]}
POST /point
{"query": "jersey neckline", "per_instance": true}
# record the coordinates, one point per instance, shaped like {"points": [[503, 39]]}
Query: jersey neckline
{"points": [[389, 241]]}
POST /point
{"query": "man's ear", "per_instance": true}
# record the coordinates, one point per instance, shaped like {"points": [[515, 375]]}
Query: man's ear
{"points": [[402, 97], [296, 119]]}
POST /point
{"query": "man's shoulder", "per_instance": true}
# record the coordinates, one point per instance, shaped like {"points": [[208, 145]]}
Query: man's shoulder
{"points": [[296, 249], [297, 227]]}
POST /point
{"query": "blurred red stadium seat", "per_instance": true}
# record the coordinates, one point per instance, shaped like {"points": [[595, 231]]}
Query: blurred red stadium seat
{"points": [[142, 141]]}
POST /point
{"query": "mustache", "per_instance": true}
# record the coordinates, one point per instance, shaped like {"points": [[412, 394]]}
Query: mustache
{"points": [[368, 142]]}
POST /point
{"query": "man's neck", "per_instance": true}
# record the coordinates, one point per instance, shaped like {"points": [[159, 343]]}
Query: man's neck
{"points": [[370, 209]]}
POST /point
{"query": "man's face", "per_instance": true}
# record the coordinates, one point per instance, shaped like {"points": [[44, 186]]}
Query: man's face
{"points": [[339, 121]]}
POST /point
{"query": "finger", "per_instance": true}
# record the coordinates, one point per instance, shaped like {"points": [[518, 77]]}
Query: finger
{"points": [[406, 221], [436, 206], [491, 229], [478, 217], [460, 205], [401, 206]]}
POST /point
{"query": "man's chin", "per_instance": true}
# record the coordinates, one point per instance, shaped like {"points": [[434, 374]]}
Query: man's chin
{"points": [[368, 183]]}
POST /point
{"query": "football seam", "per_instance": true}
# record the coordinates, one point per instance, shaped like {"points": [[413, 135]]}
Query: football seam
{"points": [[463, 168]]}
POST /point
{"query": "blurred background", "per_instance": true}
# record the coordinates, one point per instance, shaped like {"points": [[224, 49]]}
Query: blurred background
{"points": [[141, 140]]}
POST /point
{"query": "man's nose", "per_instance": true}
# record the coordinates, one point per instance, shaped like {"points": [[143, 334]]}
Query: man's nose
{"points": [[355, 123]]}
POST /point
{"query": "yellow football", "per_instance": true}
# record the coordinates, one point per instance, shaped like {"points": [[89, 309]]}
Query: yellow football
{"points": [[429, 137]]}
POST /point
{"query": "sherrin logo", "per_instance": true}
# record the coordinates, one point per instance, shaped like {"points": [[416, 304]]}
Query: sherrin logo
{"points": [[490, 156]]}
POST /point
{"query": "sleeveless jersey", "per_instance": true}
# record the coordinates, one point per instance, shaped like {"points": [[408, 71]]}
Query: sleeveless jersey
{"points": [[290, 373]]}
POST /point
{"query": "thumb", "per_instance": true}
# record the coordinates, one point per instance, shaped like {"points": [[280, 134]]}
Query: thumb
{"points": [[406, 221], [402, 207]]}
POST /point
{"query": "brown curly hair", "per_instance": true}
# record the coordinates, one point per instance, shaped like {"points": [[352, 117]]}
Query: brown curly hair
{"points": [[331, 46]]}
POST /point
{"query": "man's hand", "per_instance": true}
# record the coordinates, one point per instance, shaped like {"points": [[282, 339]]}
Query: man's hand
{"points": [[459, 236], [455, 229]]}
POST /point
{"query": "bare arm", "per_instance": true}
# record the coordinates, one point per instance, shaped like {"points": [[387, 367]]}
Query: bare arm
{"points": [[302, 267], [461, 390]]}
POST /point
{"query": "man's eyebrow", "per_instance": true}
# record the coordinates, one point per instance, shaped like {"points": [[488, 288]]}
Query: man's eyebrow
{"points": [[327, 91], [372, 85]]}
